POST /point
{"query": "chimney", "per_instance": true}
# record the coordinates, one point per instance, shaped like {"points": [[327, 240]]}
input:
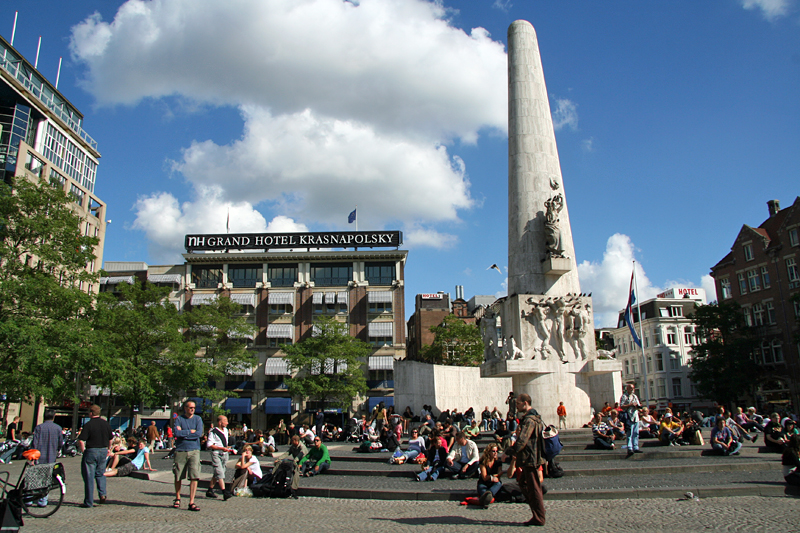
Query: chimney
{"points": [[459, 292], [774, 206]]}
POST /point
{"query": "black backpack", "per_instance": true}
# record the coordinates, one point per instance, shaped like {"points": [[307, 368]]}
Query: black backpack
{"points": [[278, 483]]}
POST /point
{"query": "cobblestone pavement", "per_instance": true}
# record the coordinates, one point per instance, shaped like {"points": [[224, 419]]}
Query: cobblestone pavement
{"points": [[139, 505]]}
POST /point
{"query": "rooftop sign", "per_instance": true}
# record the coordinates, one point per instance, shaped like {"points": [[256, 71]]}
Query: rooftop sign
{"points": [[273, 241], [684, 292]]}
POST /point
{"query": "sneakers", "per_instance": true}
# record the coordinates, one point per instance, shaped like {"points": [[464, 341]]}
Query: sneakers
{"points": [[755, 439], [211, 494], [486, 499], [227, 495]]}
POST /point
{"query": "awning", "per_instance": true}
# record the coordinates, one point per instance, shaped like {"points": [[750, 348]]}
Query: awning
{"points": [[278, 406], [375, 400], [341, 367], [234, 334], [164, 278], [280, 331], [379, 297], [279, 298], [381, 362], [330, 297], [343, 297], [239, 406], [200, 404], [239, 369], [244, 298], [276, 366], [113, 280], [379, 329], [204, 298], [316, 298]]}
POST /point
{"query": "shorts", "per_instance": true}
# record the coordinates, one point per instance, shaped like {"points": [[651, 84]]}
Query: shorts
{"points": [[186, 464], [218, 461], [126, 469]]}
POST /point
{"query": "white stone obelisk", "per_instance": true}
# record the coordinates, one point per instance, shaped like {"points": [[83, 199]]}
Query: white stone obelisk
{"points": [[534, 174], [548, 344]]}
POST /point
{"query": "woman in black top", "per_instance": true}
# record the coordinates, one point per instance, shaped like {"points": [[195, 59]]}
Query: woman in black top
{"points": [[791, 461], [491, 468]]}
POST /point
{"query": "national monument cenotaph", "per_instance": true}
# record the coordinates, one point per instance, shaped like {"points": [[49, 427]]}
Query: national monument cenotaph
{"points": [[548, 346]]}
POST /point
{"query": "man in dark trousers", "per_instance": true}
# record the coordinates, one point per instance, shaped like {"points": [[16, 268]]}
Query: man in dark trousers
{"points": [[319, 421], [94, 441], [48, 439], [528, 452]]}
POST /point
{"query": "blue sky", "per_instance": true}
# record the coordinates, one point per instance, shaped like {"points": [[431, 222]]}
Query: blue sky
{"points": [[676, 122]]}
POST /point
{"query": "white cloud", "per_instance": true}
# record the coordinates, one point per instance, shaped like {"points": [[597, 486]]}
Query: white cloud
{"points": [[343, 102], [771, 9], [166, 222], [609, 281], [588, 144], [316, 168], [502, 5], [707, 283], [565, 114], [395, 63], [418, 237]]}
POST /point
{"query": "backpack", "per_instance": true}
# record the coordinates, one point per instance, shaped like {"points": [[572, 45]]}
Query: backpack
{"points": [[553, 469], [278, 483], [552, 443]]}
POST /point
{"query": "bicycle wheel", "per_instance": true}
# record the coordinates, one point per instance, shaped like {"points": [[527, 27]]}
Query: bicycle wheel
{"points": [[31, 499]]}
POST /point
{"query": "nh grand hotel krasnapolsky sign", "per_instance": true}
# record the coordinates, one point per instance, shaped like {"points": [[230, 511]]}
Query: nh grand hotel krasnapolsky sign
{"points": [[274, 241]]}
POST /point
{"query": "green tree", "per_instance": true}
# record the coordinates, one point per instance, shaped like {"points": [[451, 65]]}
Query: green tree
{"points": [[219, 335], [456, 343], [329, 365], [44, 337], [159, 353], [723, 364]]}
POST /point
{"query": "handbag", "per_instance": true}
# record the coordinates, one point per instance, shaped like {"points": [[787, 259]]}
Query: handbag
{"points": [[552, 442]]}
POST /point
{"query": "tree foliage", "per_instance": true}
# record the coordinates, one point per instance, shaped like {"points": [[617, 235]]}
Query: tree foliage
{"points": [[44, 335], [159, 353], [723, 364], [456, 343], [329, 365]]}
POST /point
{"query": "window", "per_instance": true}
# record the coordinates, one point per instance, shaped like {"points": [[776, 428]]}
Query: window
{"points": [[770, 309], [753, 281], [331, 275], [797, 309], [207, 277], [676, 311], [282, 275], [748, 318], [677, 389], [657, 337], [688, 337], [275, 343], [652, 389], [244, 275], [794, 238], [380, 378], [646, 341], [660, 362], [379, 273], [672, 338], [380, 307], [649, 364], [742, 284], [280, 309], [661, 390], [725, 285], [758, 315], [674, 361], [627, 366], [777, 351], [748, 252], [387, 341], [765, 277], [791, 270], [635, 365]]}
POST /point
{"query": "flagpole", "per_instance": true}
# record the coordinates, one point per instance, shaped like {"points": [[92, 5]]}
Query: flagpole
{"points": [[356, 217], [641, 338]]}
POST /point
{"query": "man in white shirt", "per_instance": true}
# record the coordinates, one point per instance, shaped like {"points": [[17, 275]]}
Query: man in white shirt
{"points": [[220, 446], [629, 402], [462, 461]]}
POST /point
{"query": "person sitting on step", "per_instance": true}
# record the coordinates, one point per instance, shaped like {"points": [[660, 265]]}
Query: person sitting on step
{"points": [[462, 461], [670, 429], [722, 439], [602, 434]]}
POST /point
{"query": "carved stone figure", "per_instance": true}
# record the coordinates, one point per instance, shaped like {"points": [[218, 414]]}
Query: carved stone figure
{"points": [[489, 335], [605, 354], [511, 350], [580, 322], [559, 309], [552, 231], [541, 342]]}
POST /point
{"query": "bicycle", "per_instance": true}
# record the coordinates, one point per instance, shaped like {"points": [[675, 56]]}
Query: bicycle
{"points": [[40, 488]]}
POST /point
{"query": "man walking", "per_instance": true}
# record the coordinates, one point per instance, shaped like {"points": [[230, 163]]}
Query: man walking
{"points": [[528, 452], [629, 402], [95, 442], [220, 447], [48, 439], [561, 411], [188, 430], [152, 436]]}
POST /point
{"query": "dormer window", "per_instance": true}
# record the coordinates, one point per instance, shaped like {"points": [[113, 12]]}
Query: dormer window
{"points": [[748, 252]]}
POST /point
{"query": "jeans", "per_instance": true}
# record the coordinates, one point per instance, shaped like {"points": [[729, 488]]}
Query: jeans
{"points": [[604, 443], [511, 425], [487, 423], [494, 488], [633, 436], [494, 424], [735, 447], [308, 467], [92, 468], [455, 470], [410, 454]]}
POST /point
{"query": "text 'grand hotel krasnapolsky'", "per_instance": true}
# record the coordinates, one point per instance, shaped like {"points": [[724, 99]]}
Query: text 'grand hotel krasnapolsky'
{"points": [[267, 241]]}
